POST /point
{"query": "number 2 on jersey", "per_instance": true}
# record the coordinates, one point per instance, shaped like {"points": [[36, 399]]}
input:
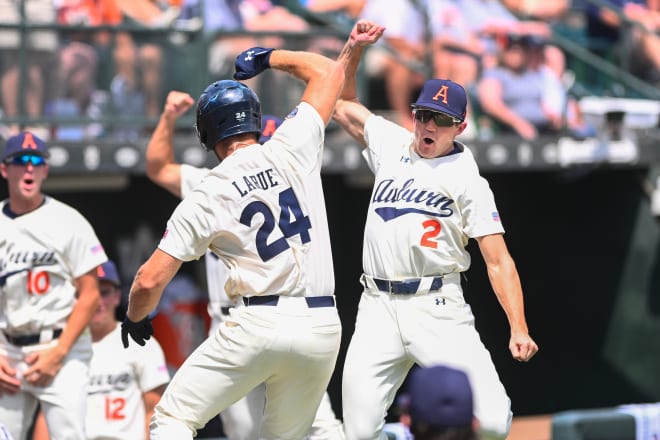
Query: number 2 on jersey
{"points": [[292, 222], [433, 228]]}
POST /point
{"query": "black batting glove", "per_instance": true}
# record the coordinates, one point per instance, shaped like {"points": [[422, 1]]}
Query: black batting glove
{"points": [[140, 331], [252, 62]]}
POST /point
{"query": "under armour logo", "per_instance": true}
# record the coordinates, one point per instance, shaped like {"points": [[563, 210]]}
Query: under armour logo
{"points": [[405, 159], [249, 55], [439, 301]]}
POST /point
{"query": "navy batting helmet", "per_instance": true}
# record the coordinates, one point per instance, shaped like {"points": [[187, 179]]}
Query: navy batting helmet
{"points": [[226, 108]]}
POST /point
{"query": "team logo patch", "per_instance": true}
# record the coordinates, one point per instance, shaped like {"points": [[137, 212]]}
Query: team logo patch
{"points": [[292, 114]]}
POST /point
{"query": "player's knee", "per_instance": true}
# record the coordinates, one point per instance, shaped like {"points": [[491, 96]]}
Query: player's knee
{"points": [[165, 427], [358, 428], [495, 428]]}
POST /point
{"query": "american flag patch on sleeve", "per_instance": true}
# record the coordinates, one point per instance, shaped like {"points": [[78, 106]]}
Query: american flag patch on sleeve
{"points": [[496, 216]]}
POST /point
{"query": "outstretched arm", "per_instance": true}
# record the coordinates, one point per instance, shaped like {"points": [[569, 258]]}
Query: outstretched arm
{"points": [[161, 166], [149, 283], [505, 281]]}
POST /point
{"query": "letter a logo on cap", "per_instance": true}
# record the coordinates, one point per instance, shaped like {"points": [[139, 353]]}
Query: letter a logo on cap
{"points": [[269, 129], [29, 142], [442, 93]]}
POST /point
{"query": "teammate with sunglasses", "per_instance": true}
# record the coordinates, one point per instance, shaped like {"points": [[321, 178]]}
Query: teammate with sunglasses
{"points": [[48, 295], [428, 201]]}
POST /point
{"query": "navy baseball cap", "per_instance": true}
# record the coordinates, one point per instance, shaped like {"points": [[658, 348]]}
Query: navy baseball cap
{"points": [[24, 143], [444, 96], [269, 124], [108, 272], [440, 397]]}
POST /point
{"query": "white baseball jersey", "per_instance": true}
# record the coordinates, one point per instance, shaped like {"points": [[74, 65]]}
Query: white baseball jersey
{"points": [[422, 211], [421, 215], [242, 419], [118, 379], [262, 211], [216, 272], [41, 253]]}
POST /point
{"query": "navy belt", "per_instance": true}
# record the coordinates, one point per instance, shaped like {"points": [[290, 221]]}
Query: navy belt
{"points": [[406, 287], [33, 339], [225, 310], [272, 300]]}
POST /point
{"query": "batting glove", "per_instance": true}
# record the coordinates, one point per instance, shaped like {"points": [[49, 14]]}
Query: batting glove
{"points": [[252, 62], [140, 331]]}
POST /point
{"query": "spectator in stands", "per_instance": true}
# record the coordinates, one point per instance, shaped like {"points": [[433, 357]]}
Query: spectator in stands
{"points": [[631, 27], [139, 58], [41, 46], [402, 62], [82, 56], [266, 19], [343, 12], [243, 15], [542, 10], [513, 92], [490, 19]]}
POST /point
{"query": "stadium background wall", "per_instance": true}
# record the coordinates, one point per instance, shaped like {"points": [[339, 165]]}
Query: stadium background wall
{"points": [[586, 246]]}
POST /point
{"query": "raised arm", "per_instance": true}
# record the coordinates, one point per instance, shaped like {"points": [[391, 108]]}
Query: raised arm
{"points": [[323, 76], [350, 114], [161, 166]]}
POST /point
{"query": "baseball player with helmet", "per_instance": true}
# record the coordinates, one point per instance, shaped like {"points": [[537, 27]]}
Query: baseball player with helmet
{"points": [[241, 420], [428, 200], [262, 211], [48, 294]]}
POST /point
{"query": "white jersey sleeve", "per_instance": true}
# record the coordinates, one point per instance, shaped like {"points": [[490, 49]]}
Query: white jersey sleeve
{"points": [[386, 139], [216, 272], [262, 211], [41, 253], [422, 212], [118, 379], [190, 177]]}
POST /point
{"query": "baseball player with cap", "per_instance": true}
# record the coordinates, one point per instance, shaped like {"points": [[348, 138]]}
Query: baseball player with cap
{"points": [[124, 385], [428, 200], [441, 403], [262, 210], [48, 294], [241, 420]]}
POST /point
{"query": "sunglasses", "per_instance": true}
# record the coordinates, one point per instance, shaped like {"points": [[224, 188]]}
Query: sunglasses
{"points": [[26, 159], [440, 119]]}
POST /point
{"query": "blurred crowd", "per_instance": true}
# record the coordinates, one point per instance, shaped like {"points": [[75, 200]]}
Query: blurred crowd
{"points": [[112, 62]]}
